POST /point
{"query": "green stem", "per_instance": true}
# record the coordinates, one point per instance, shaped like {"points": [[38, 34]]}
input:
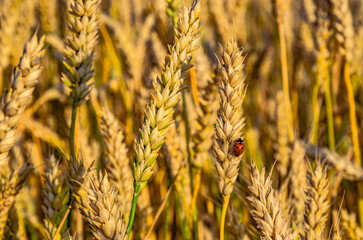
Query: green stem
{"points": [[73, 127], [73, 156], [133, 209], [329, 110], [184, 226]]}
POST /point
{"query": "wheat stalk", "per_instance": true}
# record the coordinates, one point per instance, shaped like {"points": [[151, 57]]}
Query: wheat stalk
{"points": [[14, 101], [265, 207]]}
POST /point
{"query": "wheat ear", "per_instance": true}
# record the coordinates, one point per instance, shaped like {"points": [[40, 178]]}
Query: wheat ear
{"points": [[55, 194], [298, 188], [265, 207], [8, 191], [350, 226], [14, 101], [102, 210], [230, 121], [82, 39], [317, 203], [159, 112], [116, 160]]}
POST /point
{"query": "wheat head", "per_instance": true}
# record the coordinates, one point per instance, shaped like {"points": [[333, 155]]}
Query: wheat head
{"points": [[159, 112], [230, 121]]}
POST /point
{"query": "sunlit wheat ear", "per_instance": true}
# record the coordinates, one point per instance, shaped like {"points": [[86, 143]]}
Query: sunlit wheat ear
{"points": [[55, 193], [159, 112], [265, 207], [80, 43], [317, 203], [9, 188], [230, 121], [102, 210], [350, 227], [14, 101], [116, 159]]}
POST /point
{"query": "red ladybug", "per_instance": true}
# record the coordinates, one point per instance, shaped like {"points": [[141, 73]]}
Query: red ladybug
{"points": [[238, 147]]}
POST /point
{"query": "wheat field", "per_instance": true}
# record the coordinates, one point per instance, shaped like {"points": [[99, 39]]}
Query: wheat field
{"points": [[181, 119]]}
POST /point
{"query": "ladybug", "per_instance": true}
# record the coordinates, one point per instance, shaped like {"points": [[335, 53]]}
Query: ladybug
{"points": [[238, 147]]}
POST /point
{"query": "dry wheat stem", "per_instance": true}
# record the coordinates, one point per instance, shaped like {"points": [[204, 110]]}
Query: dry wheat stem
{"points": [[14, 101]]}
